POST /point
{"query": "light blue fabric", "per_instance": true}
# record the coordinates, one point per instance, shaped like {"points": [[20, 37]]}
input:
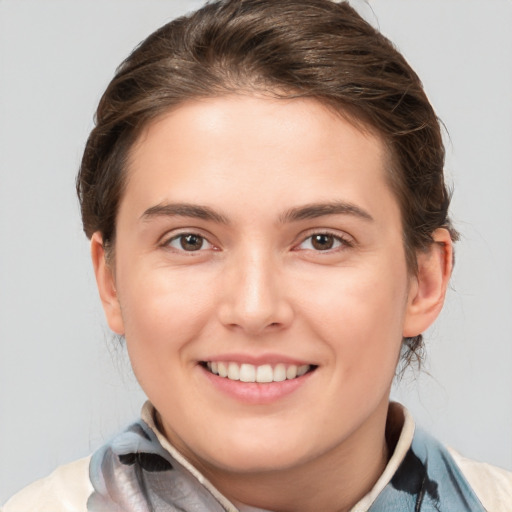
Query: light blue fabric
{"points": [[427, 480]]}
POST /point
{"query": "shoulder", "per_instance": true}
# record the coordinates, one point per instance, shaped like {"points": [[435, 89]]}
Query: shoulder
{"points": [[64, 490], [491, 484]]}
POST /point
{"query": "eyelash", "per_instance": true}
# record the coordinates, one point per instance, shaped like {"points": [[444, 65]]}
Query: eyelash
{"points": [[338, 241]]}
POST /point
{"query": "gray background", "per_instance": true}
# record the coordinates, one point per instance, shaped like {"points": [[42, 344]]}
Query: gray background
{"points": [[65, 386]]}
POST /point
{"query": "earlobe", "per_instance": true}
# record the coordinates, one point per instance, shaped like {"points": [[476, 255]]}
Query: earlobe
{"points": [[106, 285], [428, 290]]}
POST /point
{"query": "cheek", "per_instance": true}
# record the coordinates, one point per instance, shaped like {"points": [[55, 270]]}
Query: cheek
{"points": [[360, 316], [163, 314]]}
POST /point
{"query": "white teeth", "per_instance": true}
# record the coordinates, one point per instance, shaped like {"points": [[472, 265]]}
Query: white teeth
{"points": [[291, 372], [248, 373], [279, 373], [233, 371], [264, 373], [301, 370], [223, 370]]}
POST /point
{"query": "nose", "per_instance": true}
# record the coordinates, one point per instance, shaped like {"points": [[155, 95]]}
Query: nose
{"points": [[254, 295]]}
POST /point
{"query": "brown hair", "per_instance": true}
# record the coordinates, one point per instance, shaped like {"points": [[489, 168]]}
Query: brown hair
{"points": [[288, 48]]}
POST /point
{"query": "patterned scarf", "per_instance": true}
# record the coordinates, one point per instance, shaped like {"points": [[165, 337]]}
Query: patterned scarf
{"points": [[134, 473]]}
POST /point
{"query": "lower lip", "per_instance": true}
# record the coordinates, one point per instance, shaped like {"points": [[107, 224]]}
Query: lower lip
{"points": [[256, 392]]}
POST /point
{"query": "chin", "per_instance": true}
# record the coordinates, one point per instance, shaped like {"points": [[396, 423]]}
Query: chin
{"points": [[262, 453], [257, 460]]}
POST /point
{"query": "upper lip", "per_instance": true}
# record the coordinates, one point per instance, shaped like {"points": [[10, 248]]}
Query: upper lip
{"points": [[259, 360]]}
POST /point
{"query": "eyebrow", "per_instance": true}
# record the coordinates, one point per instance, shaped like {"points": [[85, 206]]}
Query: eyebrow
{"points": [[310, 211], [184, 210], [315, 210]]}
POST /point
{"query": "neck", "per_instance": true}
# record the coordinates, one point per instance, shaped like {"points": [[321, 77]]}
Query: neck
{"points": [[333, 481]]}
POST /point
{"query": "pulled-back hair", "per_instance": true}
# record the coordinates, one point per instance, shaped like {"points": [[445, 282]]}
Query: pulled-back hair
{"points": [[316, 49]]}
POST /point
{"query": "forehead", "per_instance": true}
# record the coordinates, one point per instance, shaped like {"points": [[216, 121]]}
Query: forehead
{"points": [[247, 147]]}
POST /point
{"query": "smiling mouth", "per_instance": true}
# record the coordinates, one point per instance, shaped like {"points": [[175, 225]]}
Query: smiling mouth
{"points": [[265, 373]]}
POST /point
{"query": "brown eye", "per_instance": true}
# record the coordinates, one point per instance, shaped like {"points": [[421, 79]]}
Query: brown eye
{"points": [[322, 242], [189, 242]]}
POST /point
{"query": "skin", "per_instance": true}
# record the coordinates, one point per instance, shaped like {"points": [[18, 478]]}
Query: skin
{"points": [[259, 288]]}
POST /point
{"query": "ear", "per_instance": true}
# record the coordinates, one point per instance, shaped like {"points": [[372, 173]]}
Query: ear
{"points": [[106, 284], [428, 286]]}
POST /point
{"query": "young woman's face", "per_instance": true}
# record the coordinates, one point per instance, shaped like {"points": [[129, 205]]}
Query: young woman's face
{"points": [[259, 237]]}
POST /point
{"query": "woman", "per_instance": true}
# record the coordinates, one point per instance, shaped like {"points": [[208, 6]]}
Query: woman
{"points": [[269, 229]]}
